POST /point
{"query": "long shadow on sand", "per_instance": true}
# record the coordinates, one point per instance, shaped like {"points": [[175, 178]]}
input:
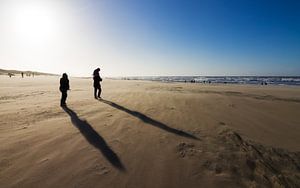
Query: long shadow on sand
{"points": [[149, 120], [94, 139]]}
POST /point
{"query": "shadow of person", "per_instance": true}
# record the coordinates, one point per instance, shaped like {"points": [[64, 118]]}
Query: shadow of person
{"points": [[149, 120], [94, 138]]}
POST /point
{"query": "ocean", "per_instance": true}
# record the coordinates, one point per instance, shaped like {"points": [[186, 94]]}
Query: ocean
{"points": [[258, 80]]}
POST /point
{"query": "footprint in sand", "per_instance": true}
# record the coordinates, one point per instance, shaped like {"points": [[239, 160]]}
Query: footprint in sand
{"points": [[213, 166], [187, 150], [100, 170], [43, 160], [222, 123], [232, 105]]}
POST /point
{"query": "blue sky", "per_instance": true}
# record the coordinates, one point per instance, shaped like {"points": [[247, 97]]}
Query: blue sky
{"points": [[177, 37]]}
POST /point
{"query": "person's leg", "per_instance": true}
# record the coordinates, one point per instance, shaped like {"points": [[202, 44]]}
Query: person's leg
{"points": [[99, 92], [63, 98], [66, 95], [95, 92]]}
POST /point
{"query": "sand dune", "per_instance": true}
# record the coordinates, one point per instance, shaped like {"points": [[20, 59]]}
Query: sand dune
{"points": [[148, 134], [18, 72]]}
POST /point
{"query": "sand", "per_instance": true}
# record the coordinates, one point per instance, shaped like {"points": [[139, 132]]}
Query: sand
{"points": [[148, 134]]}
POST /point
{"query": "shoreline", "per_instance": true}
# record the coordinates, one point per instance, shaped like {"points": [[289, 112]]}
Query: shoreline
{"points": [[206, 80]]}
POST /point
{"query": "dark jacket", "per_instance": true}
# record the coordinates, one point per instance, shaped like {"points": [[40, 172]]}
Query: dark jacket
{"points": [[64, 84], [97, 80]]}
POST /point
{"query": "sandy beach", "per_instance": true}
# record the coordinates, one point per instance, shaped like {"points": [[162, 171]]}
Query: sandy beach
{"points": [[148, 134]]}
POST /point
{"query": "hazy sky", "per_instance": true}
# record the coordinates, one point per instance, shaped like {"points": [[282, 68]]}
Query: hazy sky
{"points": [[151, 37]]}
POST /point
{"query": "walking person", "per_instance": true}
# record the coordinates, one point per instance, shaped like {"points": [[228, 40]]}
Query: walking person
{"points": [[64, 87], [97, 86]]}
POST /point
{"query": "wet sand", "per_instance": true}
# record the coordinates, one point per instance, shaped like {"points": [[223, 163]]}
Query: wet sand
{"points": [[148, 134]]}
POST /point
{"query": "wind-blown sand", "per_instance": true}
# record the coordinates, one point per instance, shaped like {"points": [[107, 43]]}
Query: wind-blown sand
{"points": [[148, 134]]}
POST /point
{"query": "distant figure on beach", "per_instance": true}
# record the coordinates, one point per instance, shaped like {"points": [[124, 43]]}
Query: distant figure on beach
{"points": [[97, 86], [22, 73], [64, 87], [264, 83]]}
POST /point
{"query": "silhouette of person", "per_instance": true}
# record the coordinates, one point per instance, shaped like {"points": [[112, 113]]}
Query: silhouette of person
{"points": [[22, 74], [97, 86], [64, 87]]}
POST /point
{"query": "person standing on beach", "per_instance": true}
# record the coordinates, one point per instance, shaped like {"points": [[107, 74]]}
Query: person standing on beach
{"points": [[97, 86], [64, 87]]}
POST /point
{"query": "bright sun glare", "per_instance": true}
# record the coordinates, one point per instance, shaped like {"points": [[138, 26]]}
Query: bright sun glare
{"points": [[34, 23]]}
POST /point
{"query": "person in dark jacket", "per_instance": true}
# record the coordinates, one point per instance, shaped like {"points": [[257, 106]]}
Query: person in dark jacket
{"points": [[97, 86], [64, 87]]}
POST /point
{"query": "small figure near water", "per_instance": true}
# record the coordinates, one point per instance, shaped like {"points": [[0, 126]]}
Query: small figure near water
{"points": [[22, 74], [264, 83], [97, 85], [64, 87]]}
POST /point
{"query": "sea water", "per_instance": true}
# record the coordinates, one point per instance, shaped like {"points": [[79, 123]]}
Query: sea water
{"points": [[261, 80]]}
